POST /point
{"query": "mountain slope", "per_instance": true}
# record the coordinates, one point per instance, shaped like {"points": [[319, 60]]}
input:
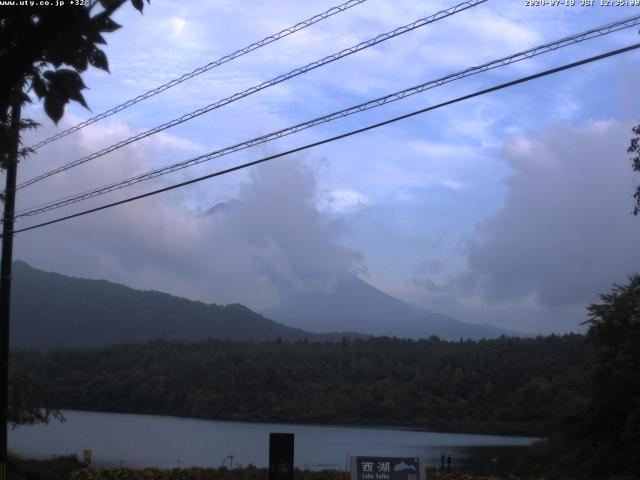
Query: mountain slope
{"points": [[50, 310], [354, 305]]}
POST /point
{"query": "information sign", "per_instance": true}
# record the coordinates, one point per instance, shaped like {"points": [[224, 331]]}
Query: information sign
{"points": [[385, 468]]}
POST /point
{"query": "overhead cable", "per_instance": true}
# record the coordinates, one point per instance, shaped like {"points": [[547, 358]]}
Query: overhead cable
{"points": [[532, 52], [337, 137], [279, 79], [209, 66]]}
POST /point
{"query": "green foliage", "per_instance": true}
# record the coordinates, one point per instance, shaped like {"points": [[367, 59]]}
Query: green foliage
{"points": [[61, 86], [504, 386], [599, 437], [614, 409], [43, 51], [69, 468], [58, 468], [634, 148], [248, 473], [39, 40], [28, 403]]}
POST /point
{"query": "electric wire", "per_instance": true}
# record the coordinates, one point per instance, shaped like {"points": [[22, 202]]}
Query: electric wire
{"points": [[209, 66], [532, 52], [279, 79], [337, 137]]}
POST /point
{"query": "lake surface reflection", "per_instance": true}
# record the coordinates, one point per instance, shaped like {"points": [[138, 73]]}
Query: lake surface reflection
{"points": [[168, 442]]}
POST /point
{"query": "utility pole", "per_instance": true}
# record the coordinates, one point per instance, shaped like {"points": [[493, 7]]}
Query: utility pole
{"points": [[5, 278]]}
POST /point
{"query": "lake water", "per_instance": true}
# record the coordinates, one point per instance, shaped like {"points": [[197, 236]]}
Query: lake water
{"points": [[168, 442]]}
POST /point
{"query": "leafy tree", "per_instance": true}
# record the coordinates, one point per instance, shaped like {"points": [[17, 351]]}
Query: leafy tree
{"points": [[599, 437], [614, 408], [28, 403], [634, 148], [43, 51]]}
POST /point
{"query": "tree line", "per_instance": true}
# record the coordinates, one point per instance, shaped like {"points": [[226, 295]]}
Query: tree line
{"points": [[505, 385]]}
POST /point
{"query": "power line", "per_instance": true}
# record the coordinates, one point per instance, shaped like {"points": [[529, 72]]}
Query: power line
{"points": [[279, 79], [338, 137], [532, 52], [209, 66]]}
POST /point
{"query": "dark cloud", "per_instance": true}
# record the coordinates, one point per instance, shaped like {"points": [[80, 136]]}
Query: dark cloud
{"points": [[564, 235], [425, 272], [566, 232], [272, 237], [432, 266]]}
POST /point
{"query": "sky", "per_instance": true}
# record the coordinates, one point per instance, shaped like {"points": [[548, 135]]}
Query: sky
{"points": [[512, 208]]}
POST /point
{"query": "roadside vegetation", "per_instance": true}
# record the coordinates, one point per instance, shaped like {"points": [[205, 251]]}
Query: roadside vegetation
{"points": [[70, 468]]}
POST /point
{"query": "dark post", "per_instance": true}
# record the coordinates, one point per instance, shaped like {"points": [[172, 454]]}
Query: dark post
{"points": [[281, 456], [5, 281]]}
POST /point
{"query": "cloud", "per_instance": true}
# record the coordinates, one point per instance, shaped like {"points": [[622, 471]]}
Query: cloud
{"points": [[565, 233], [278, 219], [177, 25], [272, 237], [408, 184], [563, 236], [342, 200]]}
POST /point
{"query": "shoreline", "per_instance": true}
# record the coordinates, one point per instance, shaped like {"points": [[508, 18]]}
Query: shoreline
{"points": [[404, 428]]}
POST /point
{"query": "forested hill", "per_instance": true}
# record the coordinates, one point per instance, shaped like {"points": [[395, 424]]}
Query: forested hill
{"points": [[50, 310], [494, 386]]}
